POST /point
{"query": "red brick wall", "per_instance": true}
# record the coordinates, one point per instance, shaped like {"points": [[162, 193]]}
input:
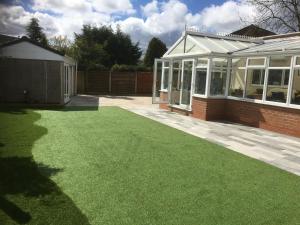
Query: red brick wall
{"points": [[163, 97], [215, 109], [273, 118], [208, 109], [180, 111], [278, 119], [199, 108]]}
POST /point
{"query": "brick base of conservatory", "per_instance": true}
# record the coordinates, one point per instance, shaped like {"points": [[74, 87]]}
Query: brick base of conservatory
{"points": [[273, 118]]}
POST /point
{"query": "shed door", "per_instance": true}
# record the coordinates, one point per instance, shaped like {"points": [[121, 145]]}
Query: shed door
{"points": [[161, 81]]}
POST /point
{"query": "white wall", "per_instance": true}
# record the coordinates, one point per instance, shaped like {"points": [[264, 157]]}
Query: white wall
{"points": [[26, 50]]}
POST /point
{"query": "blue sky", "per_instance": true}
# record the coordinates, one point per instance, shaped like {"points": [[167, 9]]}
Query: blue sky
{"points": [[141, 19]]}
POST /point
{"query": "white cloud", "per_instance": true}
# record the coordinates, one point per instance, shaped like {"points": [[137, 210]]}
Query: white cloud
{"points": [[226, 17], [150, 8], [165, 20], [113, 6], [13, 19], [69, 18], [84, 6]]}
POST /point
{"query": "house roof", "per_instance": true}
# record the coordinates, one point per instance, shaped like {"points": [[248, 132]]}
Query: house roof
{"points": [[6, 38], [26, 39], [253, 31]]}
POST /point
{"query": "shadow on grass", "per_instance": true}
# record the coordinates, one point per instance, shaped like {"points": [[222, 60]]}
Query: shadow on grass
{"points": [[27, 194]]}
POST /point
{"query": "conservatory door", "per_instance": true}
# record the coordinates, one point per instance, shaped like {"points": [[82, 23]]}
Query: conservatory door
{"points": [[186, 83], [161, 79], [175, 83], [67, 78]]}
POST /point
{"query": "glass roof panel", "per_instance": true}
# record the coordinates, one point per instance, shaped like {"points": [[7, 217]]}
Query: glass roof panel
{"points": [[275, 45], [191, 47]]}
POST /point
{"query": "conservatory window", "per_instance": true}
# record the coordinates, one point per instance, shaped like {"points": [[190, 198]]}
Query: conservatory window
{"points": [[278, 79], [218, 76], [237, 78], [201, 74], [258, 77], [176, 81], [255, 83], [165, 76], [256, 61], [296, 87], [298, 61]]}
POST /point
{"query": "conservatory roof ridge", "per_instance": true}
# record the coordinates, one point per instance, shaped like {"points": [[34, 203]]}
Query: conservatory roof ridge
{"points": [[280, 36], [224, 36]]}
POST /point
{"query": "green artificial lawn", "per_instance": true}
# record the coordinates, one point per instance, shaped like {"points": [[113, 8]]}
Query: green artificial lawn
{"points": [[109, 166]]}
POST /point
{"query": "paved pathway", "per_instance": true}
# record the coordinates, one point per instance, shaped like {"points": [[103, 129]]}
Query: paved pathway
{"points": [[273, 148], [128, 102]]}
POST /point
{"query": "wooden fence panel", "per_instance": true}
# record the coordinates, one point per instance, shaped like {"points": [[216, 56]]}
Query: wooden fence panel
{"points": [[123, 83], [80, 82], [144, 82], [117, 83], [97, 82]]}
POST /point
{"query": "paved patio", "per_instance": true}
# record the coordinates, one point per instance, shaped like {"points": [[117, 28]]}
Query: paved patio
{"points": [[276, 149], [128, 102]]}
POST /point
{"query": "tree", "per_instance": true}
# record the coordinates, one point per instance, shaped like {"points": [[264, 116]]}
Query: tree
{"points": [[156, 48], [100, 47], [278, 15], [35, 32], [61, 44]]}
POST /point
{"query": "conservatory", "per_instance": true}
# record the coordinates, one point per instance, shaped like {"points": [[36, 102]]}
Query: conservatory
{"points": [[254, 81]]}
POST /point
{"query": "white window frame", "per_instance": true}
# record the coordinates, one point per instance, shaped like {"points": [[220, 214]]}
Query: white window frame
{"points": [[255, 66], [295, 61], [207, 70], [163, 75], [291, 82], [260, 67], [287, 102], [184, 106], [211, 68], [229, 77], [179, 69]]}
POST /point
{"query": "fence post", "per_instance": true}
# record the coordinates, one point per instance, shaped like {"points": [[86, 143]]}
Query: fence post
{"points": [[136, 80], [85, 80], [109, 83]]}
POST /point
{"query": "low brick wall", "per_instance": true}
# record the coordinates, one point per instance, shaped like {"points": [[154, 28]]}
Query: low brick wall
{"points": [[163, 97], [208, 109], [274, 118]]}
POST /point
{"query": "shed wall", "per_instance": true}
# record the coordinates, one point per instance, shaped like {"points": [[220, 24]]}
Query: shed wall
{"points": [[41, 79]]}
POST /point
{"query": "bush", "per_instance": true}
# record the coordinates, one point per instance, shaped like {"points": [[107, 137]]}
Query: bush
{"points": [[129, 68], [97, 67]]}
